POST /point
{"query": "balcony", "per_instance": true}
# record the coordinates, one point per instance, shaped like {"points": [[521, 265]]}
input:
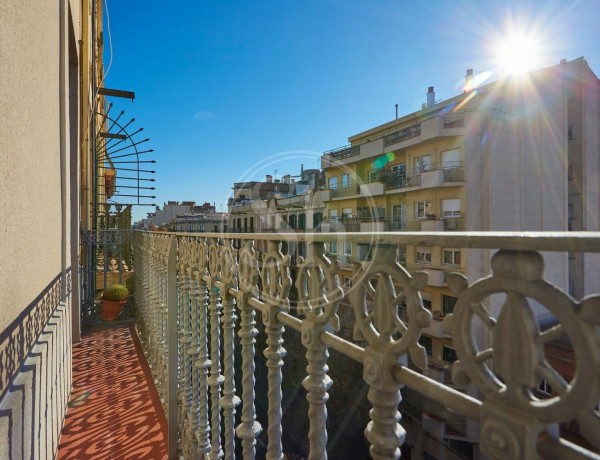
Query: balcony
{"points": [[198, 298], [402, 135], [347, 189], [339, 154]]}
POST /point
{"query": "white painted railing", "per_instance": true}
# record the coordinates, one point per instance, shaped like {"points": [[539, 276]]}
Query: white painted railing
{"points": [[188, 284]]}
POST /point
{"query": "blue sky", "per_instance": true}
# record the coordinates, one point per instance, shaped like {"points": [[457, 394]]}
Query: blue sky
{"points": [[234, 90]]}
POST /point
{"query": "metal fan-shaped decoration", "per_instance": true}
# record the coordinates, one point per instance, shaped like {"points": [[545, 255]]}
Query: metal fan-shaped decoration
{"points": [[122, 177]]}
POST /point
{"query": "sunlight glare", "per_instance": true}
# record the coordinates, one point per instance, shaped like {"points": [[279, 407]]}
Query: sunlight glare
{"points": [[518, 54]]}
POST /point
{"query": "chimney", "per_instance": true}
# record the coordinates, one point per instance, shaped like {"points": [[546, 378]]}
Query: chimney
{"points": [[269, 178], [430, 97], [468, 78], [286, 179]]}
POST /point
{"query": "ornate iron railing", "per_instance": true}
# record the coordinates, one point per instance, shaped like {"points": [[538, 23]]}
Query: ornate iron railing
{"points": [[191, 289]]}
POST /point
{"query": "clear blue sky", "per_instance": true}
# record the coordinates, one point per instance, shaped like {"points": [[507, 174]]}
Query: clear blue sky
{"points": [[234, 90]]}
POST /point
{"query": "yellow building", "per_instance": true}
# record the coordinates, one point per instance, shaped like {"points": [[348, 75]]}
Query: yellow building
{"points": [[518, 154]]}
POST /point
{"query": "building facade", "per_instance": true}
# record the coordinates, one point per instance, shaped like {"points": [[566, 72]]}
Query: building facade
{"points": [[51, 53], [519, 154]]}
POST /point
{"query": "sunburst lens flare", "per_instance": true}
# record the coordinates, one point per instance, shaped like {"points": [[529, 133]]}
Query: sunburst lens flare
{"points": [[517, 54]]}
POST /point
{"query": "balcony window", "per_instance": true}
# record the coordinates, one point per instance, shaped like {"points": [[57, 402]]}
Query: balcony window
{"points": [[293, 220], [347, 248], [448, 303], [451, 159], [398, 217], [398, 170], [302, 222], [317, 218], [422, 164], [347, 213], [422, 209], [451, 257], [375, 175], [544, 388], [423, 255], [401, 257], [364, 251], [333, 183], [345, 180], [426, 343], [451, 208], [449, 354], [333, 247]]}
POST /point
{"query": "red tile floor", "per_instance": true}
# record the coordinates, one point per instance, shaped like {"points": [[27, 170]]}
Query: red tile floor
{"points": [[114, 411]]}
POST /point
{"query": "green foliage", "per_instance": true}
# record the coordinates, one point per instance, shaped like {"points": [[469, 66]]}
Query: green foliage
{"points": [[115, 293]]}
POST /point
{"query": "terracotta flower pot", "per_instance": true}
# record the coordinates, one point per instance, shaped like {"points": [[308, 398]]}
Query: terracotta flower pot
{"points": [[110, 311]]}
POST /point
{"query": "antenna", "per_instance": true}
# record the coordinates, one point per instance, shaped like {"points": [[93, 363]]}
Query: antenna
{"points": [[276, 174], [396, 111]]}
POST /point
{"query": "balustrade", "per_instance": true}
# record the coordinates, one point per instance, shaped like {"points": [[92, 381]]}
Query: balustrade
{"points": [[203, 283]]}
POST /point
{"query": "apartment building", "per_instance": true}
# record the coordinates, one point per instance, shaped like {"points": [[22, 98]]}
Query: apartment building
{"points": [[199, 222], [518, 154]]}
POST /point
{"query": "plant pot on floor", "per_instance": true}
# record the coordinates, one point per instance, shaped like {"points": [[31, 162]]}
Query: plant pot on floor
{"points": [[113, 302], [110, 311]]}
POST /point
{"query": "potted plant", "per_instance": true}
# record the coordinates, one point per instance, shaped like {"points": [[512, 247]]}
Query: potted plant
{"points": [[113, 302]]}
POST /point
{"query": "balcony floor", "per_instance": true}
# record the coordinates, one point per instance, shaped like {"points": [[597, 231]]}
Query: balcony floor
{"points": [[114, 411]]}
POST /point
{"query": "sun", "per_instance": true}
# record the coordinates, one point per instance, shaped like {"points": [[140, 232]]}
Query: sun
{"points": [[517, 53]]}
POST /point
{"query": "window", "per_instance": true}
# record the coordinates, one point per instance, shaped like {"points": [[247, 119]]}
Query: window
{"points": [[364, 251], [448, 303], [570, 172], [201, 227], [302, 222], [451, 159], [252, 224], [427, 304], [422, 164], [570, 132], [215, 228], [345, 180], [262, 223], [422, 209], [399, 170], [333, 182], [544, 388], [425, 342], [317, 218], [191, 227], [292, 221], [423, 255], [374, 175], [347, 248], [451, 257], [347, 282], [401, 253], [449, 354], [451, 208], [347, 213], [333, 247], [333, 214]]}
